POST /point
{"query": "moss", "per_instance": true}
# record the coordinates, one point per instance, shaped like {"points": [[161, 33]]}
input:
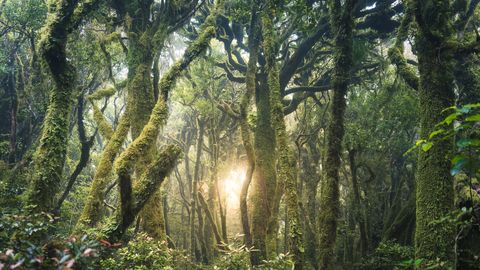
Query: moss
{"points": [[102, 93], [50, 155], [141, 145], [162, 165], [140, 90], [342, 23], [194, 50], [434, 184], [286, 164], [253, 45], [396, 53], [264, 185], [92, 211], [137, 153], [140, 98], [159, 115], [152, 218], [104, 127], [144, 189], [404, 70]]}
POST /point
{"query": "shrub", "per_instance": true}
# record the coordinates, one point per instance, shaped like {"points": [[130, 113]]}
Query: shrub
{"points": [[143, 252], [388, 255]]}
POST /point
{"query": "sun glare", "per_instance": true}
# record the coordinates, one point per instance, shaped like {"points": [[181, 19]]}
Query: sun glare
{"points": [[232, 185]]}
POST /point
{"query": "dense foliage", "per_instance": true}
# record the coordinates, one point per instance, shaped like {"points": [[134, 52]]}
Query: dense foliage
{"points": [[240, 134]]}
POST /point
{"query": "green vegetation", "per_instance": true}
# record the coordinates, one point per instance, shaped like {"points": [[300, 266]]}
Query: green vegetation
{"points": [[240, 135]]}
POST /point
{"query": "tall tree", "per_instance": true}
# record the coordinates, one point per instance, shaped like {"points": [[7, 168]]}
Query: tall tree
{"points": [[434, 184], [342, 28], [64, 17], [285, 160], [148, 27]]}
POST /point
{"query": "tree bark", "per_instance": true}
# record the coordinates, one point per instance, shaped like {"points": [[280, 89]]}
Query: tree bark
{"points": [[434, 184], [133, 198], [264, 179], [358, 205], [342, 25], [253, 45], [85, 145], [63, 18], [286, 163]]}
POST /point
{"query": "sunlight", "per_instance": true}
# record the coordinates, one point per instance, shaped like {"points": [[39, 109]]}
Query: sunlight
{"points": [[232, 186]]}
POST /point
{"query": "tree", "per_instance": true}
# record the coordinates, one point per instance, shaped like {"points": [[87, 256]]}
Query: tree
{"points": [[64, 18], [434, 185], [342, 26]]}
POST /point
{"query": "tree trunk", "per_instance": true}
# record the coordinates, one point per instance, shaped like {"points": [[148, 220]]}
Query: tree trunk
{"points": [[358, 205], [85, 145], [12, 92], [194, 196], [342, 26], [434, 184], [264, 179], [253, 45], [286, 163], [63, 18], [309, 162], [92, 211], [133, 198]]}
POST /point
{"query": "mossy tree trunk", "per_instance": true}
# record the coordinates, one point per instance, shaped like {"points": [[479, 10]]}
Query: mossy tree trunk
{"points": [[253, 45], [359, 212], [145, 37], [142, 145], [434, 184], [134, 197], [63, 18], [342, 28], [133, 200], [264, 178], [195, 189], [309, 160], [92, 211], [86, 144], [286, 163]]}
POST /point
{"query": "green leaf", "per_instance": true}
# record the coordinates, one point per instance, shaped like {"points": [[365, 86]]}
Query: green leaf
{"points": [[418, 262], [449, 108], [435, 133], [465, 142], [465, 109], [449, 119], [458, 163], [473, 118], [474, 105], [427, 146], [456, 159]]}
